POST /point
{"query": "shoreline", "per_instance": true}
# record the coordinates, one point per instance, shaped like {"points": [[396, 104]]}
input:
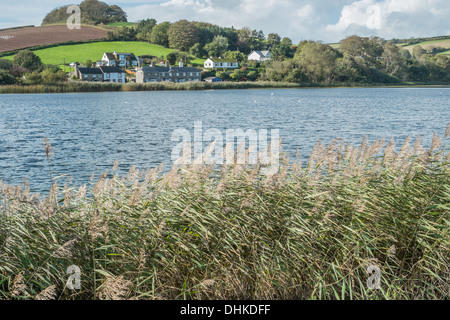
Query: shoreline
{"points": [[85, 87]]}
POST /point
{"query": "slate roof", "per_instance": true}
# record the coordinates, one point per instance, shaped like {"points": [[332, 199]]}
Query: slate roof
{"points": [[110, 56], [111, 70], [170, 69], [84, 70], [261, 53]]}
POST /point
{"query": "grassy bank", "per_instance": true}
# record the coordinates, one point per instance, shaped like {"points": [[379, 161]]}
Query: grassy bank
{"points": [[309, 232], [79, 86], [105, 87]]}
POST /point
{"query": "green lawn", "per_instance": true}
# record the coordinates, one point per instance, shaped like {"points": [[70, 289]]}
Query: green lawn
{"points": [[94, 51]]}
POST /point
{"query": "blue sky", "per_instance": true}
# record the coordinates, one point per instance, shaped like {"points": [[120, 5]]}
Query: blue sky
{"points": [[326, 20]]}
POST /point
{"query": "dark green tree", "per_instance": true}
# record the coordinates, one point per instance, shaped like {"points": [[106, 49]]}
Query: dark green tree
{"points": [[273, 39], [367, 51], [93, 12], [318, 61], [217, 47], [49, 76], [183, 35], [144, 29], [394, 63], [5, 64], [6, 77], [198, 51], [172, 58], [27, 59], [160, 34]]}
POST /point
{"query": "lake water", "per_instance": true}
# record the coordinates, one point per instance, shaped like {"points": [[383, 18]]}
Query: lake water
{"points": [[89, 131]]}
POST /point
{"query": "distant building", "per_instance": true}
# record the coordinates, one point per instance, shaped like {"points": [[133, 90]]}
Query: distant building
{"points": [[166, 73], [212, 79], [88, 74], [213, 63], [113, 74], [123, 60], [260, 56]]}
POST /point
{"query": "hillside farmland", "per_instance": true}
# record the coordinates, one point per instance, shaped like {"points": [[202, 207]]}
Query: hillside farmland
{"points": [[94, 51], [14, 39], [430, 45]]}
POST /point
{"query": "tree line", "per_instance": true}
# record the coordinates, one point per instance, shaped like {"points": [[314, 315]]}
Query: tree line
{"points": [[356, 60], [27, 68]]}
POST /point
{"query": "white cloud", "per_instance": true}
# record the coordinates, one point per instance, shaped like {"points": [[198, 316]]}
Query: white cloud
{"points": [[327, 20], [285, 17], [393, 18]]}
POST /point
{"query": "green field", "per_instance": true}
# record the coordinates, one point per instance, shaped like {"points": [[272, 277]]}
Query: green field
{"points": [[429, 45], [94, 51], [121, 24]]}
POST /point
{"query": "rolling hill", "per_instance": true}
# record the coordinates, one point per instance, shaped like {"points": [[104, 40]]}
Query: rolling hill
{"points": [[430, 45], [15, 39], [94, 51]]}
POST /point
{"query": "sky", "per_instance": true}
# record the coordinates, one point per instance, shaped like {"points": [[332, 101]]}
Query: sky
{"points": [[320, 20]]}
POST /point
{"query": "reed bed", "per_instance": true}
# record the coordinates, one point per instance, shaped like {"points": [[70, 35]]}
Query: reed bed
{"points": [[308, 232], [78, 86]]}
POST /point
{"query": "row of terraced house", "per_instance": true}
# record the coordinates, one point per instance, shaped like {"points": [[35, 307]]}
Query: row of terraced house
{"points": [[111, 69]]}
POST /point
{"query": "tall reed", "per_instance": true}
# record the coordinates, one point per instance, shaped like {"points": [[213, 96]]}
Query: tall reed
{"points": [[79, 86], [308, 232]]}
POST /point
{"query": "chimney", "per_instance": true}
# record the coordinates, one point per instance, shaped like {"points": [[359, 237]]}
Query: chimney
{"points": [[181, 64], [152, 64], [167, 64]]}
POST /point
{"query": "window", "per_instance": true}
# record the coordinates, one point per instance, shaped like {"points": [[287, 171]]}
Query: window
{"points": [[120, 75], [107, 75], [170, 74]]}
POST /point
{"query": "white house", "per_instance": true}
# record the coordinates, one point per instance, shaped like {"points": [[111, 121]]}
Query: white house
{"points": [[260, 56], [125, 60], [213, 63], [113, 74]]}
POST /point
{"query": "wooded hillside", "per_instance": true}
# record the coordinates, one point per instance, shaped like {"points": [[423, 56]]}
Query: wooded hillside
{"points": [[93, 12]]}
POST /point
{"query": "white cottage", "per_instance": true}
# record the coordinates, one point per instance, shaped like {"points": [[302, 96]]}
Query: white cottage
{"points": [[113, 74], [259, 56], [213, 63], [125, 60]]}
